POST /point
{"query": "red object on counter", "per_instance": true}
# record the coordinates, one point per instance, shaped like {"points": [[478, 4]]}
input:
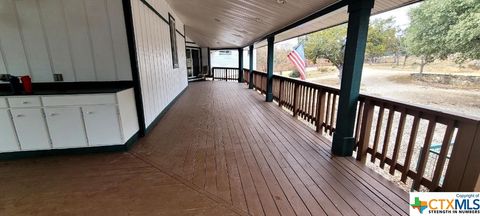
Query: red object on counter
{"points": [[27, 84]]}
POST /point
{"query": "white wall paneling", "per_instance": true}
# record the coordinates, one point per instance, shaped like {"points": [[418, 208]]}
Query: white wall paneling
{"points": [[57, 38], [85, 40], [11, 45], [160, 82]]}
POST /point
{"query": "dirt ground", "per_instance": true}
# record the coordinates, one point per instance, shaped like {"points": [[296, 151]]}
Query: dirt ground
{"points": [[397, 85]]}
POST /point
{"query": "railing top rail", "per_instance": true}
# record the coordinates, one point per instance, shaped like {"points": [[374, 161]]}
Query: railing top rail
{"points": [[225, 68], [387, 101], [422, 109]]}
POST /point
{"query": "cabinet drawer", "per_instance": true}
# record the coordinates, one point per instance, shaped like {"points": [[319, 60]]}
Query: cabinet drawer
{"points": [[24, 102], [76, 100], [3, 103]]}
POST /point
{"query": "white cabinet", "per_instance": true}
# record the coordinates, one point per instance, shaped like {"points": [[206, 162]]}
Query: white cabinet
{"points": [[102, 125], [44, 122], [31, 128], [8, 138], [66, 128]]}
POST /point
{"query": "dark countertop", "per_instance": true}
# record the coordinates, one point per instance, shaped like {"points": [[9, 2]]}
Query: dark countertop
{"points": [[71, 88], [66, 92]]}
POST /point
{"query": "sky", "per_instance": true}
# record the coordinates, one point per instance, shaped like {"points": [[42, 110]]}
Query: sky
{"points": [[400, 15]]}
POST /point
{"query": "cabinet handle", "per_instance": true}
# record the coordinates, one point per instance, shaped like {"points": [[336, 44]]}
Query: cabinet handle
{"points": [[89, 112], [53, 114], [25, 102], [20, 115]]}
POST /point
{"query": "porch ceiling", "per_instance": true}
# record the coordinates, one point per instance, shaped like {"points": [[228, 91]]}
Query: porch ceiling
{"points": [[233, 23]]}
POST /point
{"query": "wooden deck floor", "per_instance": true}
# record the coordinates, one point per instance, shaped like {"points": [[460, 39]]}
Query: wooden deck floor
{"points": [[220, 150]]}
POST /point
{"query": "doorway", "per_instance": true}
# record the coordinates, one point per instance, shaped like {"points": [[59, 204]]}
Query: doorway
{"points": [[193, 62]]}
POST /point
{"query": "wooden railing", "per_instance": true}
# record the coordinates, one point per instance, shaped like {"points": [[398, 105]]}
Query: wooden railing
{"points": [[437, 150], [246, 77], [259, 81], [225, 73]]}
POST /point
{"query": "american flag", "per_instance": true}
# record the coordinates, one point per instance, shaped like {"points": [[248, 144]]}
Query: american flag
{"points": [[297, 57]]}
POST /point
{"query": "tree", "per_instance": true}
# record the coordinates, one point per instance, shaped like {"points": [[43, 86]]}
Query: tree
{"points": [[382, 39], [282, 63], [327, 44], [440, 28], [262, 58], [402, 48]]}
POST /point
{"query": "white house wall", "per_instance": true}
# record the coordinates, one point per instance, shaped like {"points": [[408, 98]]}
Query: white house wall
{"points": [[84, 40], [160, 82]]}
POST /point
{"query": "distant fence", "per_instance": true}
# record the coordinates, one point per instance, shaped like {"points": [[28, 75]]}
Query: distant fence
{"points": [[426, 148]]}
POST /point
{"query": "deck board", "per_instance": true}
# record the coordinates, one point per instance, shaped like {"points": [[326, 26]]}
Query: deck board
{"points": [[219, 150]]}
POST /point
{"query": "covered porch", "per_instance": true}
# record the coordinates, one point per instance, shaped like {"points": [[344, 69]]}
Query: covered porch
{"points": [[219, 150]]}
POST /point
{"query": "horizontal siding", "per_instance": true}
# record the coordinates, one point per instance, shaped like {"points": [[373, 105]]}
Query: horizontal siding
{"points": [[85, 40], [160, 83]]}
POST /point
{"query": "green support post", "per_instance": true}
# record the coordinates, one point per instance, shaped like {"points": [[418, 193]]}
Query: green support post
{"points": [[240, 65], [209, 71], [250, 74], [359, 15], [271, 43]]}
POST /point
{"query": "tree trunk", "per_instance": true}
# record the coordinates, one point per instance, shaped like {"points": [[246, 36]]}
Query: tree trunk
{"points": [[422, 64], [405, 60]]}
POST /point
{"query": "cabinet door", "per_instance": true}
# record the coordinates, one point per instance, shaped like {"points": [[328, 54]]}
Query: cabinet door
{"points": [[102, 125], [8, 140], [66, 127], [31, 129]]}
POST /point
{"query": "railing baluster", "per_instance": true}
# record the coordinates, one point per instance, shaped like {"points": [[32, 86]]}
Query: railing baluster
{"points": [[333, 116], [367, 118], [386, 141], [295, 99], [424, 154], [378, 130], [410, 148], [280, 102], [442, 157], [320, 109], [303, 97], [312, 105], [398, 141], [327, 114], [358, 123]]}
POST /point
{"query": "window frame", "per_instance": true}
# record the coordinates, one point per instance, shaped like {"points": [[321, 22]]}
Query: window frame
{"points": [[173, 40]]}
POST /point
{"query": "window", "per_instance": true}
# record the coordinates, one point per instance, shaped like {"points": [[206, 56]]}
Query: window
{"points": [[173, 40]]}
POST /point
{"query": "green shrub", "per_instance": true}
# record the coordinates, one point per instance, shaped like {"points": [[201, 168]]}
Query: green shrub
{"points": [[294, 74]]}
